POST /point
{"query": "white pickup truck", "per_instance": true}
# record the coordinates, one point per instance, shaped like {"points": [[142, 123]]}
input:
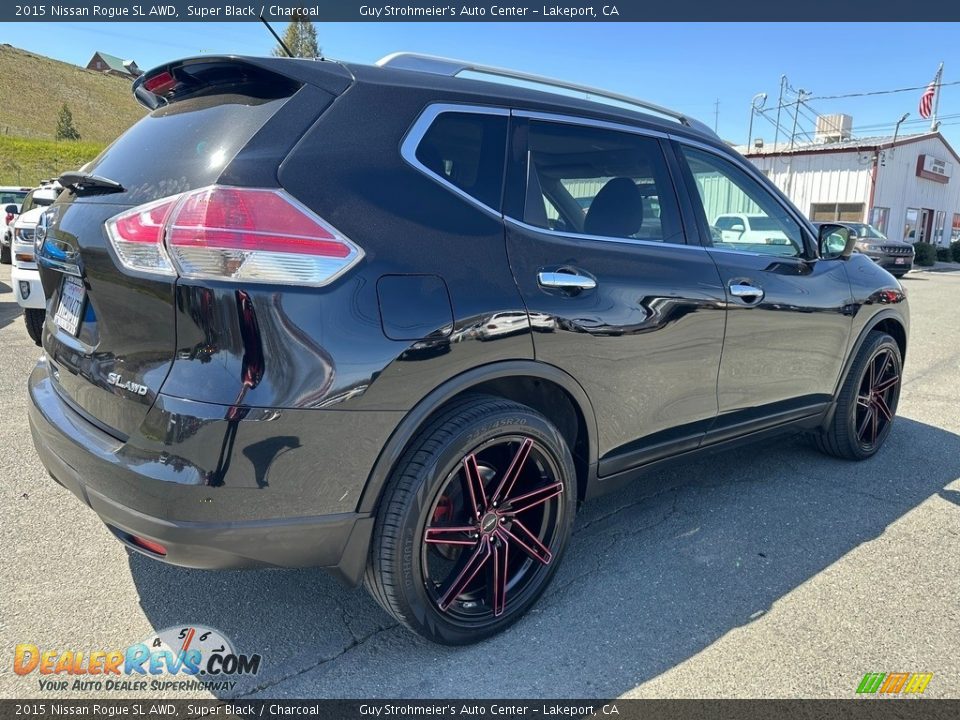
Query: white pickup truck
{"points": [[24, 276]]}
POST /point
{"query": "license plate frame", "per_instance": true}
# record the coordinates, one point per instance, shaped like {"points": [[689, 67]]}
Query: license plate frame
{"points": [[73, 299], [900, 261]]}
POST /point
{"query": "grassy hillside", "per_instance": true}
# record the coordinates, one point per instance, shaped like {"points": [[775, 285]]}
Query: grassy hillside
{"points": [[24, 161], [32, 89]]}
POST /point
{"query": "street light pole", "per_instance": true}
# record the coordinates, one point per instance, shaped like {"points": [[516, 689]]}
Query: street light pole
{"points": [[759, 100], [896, 130]]}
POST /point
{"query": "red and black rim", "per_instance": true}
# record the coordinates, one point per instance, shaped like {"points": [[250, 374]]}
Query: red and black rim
{"points": [[877, 398], [493, 530]]}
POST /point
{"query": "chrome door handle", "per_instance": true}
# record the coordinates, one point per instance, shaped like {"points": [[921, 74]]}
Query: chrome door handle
{"points": [[565, 281], [748, 293]]}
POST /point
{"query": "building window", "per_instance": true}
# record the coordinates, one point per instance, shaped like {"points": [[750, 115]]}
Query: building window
{"points": [[955, 233], [827, 212], [880, 218], [910, 225], [940, 221]]}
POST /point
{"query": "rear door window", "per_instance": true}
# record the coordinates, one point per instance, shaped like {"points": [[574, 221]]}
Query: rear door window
{"points": [[599, 182], [467, 151]]}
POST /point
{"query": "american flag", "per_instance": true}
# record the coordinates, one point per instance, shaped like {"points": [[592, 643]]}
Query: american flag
{"points": [[926, 100]]}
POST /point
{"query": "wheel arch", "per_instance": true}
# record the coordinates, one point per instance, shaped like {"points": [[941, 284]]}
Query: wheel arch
{"points": [[545, 388], [888, 321]]}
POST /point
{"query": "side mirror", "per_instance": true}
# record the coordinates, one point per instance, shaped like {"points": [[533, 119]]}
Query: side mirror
{"points": [[738, 228], [12, 209], [836, 241]]}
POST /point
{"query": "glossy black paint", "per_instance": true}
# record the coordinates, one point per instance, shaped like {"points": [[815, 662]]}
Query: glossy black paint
{"points": [[275, 414]]}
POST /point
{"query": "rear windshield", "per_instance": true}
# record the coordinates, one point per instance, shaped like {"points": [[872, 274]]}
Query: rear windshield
{"points": [[181, 146]]}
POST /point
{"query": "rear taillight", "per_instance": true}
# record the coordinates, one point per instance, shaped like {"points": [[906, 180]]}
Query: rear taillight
{"points": [[138, 237], [9, 218], [230, 233]]}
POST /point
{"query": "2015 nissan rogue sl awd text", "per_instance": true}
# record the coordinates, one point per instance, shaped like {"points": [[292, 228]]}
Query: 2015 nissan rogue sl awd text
{"points": [[269, 307]]}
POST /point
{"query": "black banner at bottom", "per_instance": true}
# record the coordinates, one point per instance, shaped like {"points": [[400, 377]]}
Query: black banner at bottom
{"points": [[854, 709]]}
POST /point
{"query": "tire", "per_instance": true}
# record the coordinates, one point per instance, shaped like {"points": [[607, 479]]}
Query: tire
{"points": [[34, 319], [867, 403], [442, 583], [5, 254]]}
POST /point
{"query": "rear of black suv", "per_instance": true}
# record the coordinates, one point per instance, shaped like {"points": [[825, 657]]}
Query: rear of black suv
{"points": [[222, 297]]}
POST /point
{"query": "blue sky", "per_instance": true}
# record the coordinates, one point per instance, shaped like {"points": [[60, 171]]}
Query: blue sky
{"points": [[686, 66]]}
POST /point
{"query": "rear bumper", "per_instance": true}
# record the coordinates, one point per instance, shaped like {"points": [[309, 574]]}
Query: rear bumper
{"points": [[27, 288], [93, 465]]}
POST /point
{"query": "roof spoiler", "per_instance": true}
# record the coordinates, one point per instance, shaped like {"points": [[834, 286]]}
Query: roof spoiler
{"points": [[220, 74]]}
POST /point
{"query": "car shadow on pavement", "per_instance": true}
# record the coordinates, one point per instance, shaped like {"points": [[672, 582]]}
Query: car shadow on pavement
{"points": [[9, 310], [653, 576]]}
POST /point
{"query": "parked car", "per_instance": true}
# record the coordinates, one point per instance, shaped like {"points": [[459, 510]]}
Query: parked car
{"points": [[238, 368], [24, 276], [10, 201], [894, 256], [738, 229]]}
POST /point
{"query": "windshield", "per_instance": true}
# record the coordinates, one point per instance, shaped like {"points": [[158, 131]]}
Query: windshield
{"points": [[868, 231]]}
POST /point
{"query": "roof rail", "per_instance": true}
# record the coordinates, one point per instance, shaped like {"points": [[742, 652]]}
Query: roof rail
{"points": [[451, 68]]}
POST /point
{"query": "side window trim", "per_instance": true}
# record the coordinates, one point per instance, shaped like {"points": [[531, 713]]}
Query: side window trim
{"points": [[414, 135], [691, 191]]}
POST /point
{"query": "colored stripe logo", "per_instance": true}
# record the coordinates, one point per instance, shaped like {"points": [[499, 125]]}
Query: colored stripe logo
{"points": [[894, 683]]}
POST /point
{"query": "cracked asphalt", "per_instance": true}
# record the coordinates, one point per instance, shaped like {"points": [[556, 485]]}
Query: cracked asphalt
{"points": [[766, 571]]}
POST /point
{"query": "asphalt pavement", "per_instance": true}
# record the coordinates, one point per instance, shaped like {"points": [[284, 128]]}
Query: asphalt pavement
{"points": [[767, 571]]}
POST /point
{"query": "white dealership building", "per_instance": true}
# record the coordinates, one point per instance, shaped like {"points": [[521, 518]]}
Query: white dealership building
{"points": [[904, 185]]}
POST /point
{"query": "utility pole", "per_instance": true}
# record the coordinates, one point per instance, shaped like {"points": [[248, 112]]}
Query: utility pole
{"points": [[801, 95], [716, 114], [783, 87]]}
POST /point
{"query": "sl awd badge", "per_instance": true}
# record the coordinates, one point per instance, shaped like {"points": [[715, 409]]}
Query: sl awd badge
{"points": [[128, 385]]}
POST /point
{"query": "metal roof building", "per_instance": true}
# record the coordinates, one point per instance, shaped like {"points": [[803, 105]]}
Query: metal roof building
{"points": [[904, 186]]}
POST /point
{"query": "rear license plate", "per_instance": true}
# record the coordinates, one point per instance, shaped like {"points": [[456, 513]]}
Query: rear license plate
{"points": [[70, 312], [900, 261]]}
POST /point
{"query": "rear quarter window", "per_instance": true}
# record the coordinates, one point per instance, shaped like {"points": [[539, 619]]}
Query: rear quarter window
{"points": [[467, 150]]}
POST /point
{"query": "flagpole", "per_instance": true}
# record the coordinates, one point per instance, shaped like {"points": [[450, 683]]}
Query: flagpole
{"points": [[936, 98]]}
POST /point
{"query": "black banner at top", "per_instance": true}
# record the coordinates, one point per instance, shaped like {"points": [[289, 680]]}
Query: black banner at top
{"points": [[473, 11]]}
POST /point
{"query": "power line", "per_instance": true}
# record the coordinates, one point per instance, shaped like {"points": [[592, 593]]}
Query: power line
{"points": [[883, 92]]}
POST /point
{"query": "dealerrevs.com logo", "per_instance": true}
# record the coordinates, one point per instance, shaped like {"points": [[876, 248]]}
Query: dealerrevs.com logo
{"points": [[192, 657]]}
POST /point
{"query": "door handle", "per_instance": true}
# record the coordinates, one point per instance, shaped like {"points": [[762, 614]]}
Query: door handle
{"points": [[565, 281], [747, 293]]}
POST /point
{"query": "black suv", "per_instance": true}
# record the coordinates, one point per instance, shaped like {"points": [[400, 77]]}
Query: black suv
{"points": [[399, 323]]}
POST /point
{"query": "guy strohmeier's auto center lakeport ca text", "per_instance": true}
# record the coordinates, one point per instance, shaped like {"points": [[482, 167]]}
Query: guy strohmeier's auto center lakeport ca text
{"points": [[192, 12]]}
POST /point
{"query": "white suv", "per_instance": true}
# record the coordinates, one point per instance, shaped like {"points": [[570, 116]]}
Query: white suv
{"points": [[24, 276]]}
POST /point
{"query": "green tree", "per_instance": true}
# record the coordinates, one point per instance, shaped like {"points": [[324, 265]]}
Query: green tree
{"points": [[65, 127], [300, 36]]}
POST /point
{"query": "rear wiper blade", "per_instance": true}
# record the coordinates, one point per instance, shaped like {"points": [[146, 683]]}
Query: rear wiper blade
{"points": [[82, 182]]}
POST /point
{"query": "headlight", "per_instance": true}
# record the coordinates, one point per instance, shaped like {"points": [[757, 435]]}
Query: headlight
{"points": [[863, 246], [24, 235]]}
